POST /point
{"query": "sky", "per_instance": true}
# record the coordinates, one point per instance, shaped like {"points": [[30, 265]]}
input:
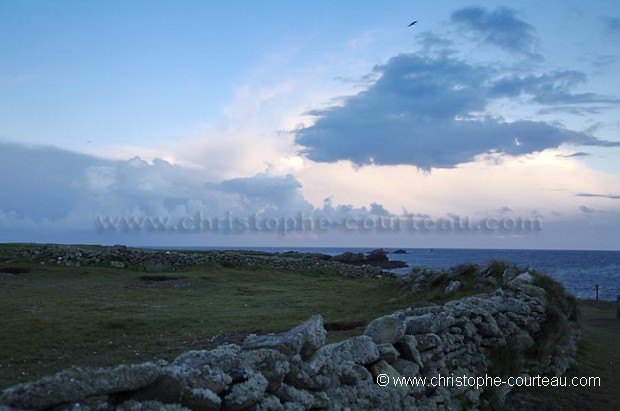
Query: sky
{"points": [[489, 124]]}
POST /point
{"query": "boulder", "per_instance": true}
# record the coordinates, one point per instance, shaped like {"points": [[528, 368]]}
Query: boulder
{"points": [[427, 323], [201, 399], [358, 350], [384, 373], [427, 341], [77, 383], [387, 329], [388, 353], [304, 339], [246, 393], [408, 348]]}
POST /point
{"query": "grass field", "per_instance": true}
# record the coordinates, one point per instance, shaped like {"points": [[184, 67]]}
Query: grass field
{"points": [[54, 316]]}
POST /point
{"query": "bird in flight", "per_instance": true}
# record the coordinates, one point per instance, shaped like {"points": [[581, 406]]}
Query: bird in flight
{"points": [[412, 23]]}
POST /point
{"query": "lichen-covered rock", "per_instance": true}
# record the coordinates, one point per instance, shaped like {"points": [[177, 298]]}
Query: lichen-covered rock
{"points": [[304, 339], [149, 406], [201, 399], [388, 377], [388, 353], [246, 393], [408, 348], [428, 323], [386, 330], [358, 350], [272, 364], [77, 383], [225, 357], [427, 341], [307, 399]]}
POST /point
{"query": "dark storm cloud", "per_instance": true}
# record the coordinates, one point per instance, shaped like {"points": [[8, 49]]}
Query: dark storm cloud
{"points": [[425, 111], [549, 89]]}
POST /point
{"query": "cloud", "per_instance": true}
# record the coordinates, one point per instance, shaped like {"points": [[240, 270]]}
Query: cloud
{"points": [[587, 210], [499, 27], [574, 155], [280, 192], [612, 25], [37, 181], [609, 196], [429, 112], [549, 89], [51, 194]]}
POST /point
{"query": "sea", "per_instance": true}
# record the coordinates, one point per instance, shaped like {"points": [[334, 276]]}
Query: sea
{"points": [[581, 272]]}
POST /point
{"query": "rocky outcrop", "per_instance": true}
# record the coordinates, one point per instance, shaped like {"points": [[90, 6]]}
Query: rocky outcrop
{"points": [[470, 337], [375, 258]]}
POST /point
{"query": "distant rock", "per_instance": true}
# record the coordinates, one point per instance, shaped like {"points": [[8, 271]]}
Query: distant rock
{"points": [[400, 251], [376, 258], [350, 258]]}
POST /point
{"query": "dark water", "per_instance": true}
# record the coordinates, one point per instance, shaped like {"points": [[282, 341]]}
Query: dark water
{"points": [[578, 271]]}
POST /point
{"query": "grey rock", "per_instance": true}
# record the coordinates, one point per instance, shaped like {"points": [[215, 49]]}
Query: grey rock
{"points": [[201, 399], [406, 368], [388, 353], [385, 370], [408, 348], [167, 388], [76, 383], [225, 357], [386, 330], [427, 341], [304, 339], [247, 393], [427, 323], [149, 406], [358, 350], [272, 364], [523, 278], [268, 403], [306, 399], [353, 374]]}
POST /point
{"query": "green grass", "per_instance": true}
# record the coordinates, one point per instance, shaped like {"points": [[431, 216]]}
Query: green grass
{"points": [[53, 317]]}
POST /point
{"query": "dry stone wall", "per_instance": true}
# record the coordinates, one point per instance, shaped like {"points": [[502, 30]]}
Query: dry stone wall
{"points": [[296, 370]]}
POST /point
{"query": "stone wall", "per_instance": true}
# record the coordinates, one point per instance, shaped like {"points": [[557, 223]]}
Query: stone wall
{"points": [[160, 260], [296, 370]]}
